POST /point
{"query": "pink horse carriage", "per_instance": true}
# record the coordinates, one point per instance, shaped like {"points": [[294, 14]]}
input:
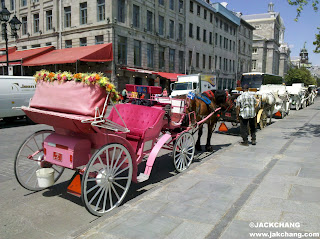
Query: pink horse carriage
{"points": [[104, 151]]}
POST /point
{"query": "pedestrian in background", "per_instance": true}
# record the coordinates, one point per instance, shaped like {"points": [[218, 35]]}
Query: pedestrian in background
{"points": [[124, 95], [165, 93], [246, 113]]}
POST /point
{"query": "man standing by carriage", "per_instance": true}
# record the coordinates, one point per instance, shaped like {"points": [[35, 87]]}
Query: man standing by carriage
{"points": [[246, 113]]}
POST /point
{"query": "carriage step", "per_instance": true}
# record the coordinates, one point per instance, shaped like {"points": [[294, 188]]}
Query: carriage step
{"points": [[142, 177]]}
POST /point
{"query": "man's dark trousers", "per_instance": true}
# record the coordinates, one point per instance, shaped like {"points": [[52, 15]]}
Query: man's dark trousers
{"points": [[244, 128]]}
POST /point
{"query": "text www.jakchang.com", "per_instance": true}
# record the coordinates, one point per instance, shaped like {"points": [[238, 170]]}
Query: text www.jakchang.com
{"points": [[283, 234]]}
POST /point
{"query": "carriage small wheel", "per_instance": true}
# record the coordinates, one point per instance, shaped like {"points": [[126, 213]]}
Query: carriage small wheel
{"points": [[183, 151], [107, 179], [30, 158]]}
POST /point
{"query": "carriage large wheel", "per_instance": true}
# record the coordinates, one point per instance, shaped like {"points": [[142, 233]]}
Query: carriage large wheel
{"points": [[107, 179], [30, 158], [183, 151]]}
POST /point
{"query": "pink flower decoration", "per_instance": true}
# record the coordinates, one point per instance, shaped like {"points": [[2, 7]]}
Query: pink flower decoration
{"points": [[64, 78]]}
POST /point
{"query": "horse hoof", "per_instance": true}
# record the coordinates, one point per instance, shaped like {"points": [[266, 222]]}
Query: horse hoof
{"points": [[198, 148], [209, 148]]}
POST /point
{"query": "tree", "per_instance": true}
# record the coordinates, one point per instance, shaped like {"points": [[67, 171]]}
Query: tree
{"points": [[301, 75], [300, 4]]}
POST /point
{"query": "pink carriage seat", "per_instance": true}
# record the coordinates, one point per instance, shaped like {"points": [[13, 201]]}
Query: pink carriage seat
{"points": [[143, 122]]}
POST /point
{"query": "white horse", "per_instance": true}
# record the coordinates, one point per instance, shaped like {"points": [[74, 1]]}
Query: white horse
{"points": [[272, 101]]}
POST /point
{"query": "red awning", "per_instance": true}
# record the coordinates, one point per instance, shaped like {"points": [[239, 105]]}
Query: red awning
{"points": [[95, 53], [10, 50], [18, 56], [170, 76], [138, 70]]}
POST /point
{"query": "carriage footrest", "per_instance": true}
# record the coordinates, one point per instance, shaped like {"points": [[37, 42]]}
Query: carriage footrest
{"points": [[142, 177]]}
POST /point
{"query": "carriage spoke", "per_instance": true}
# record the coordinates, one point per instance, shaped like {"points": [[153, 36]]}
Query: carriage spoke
{"points": [[34, 139], [30, 149], [104, 168], [34, 166], [107, 159], [119, 185], [96, 194], [93, 188], [31, 176], [121, 178], [115, 165], [115, 191], [110, 196], [121, 171], [105, 199], [101, 194], [124, 160], [183, 151]]}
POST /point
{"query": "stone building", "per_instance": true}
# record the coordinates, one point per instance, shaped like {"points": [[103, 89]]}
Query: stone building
{"points": [[148, 37], [245, 38], [267, 39]]}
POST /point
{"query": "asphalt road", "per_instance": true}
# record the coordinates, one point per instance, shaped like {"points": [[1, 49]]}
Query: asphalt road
{"points": [[53, 213]]}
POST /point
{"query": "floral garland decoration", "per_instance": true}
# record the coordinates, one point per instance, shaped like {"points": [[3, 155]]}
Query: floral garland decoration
{"points": [[86, 78]]}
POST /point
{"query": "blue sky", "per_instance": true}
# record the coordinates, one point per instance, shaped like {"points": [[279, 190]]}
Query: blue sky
{"points": [[296, 33]]}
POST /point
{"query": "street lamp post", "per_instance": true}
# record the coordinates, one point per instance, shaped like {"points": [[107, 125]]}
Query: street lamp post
{"points": [[15, 25]]}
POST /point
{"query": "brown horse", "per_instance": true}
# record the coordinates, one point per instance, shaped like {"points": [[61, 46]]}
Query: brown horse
{"points": [[202, 110]]}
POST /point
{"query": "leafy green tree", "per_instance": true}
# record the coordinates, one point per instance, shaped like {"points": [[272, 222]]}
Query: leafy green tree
{"points": [[300, 5], [301, 75]]}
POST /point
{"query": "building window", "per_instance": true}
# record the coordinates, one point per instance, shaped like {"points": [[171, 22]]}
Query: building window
{"points": [[230, 45], [24, 25], [150, 55], [161, 25], [23, 3], [180, 32], [24, 47], [171, 29], [210, 63], [217, 22], [220, 41], [136, 16], [254, 64], [216, 39], [137, 53], [234, 46], [254, 50], [12, 5], [190, 58], [122, 50], [161, 2], [68, 43], [35, 46], [198, 33], [101, 10], [191, 6], [149, 21], [204, 61], [49, 19], [205, 13], [197, 60], [171, 4], [172, 60], [67, 17], [83, 41], [121, 10], [48, 43], [190, 30], [180, 6], [226, 27], [99, 39], [36, 22], [198, 10], [220, 63], [215, 62], [83, 13], [211, 17], [181, 61], [204, 35], [210, 38], [161, 58], [221, 24]]}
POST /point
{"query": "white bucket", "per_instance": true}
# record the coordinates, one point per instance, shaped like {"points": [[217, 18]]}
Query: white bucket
{"points": [[45, 177]]}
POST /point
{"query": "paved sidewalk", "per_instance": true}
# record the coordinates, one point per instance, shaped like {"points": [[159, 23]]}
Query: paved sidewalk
{"points": [[278, 180]]}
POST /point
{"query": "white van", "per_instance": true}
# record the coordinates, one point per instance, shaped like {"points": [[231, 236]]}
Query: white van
{"points": [[15, 91]]}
